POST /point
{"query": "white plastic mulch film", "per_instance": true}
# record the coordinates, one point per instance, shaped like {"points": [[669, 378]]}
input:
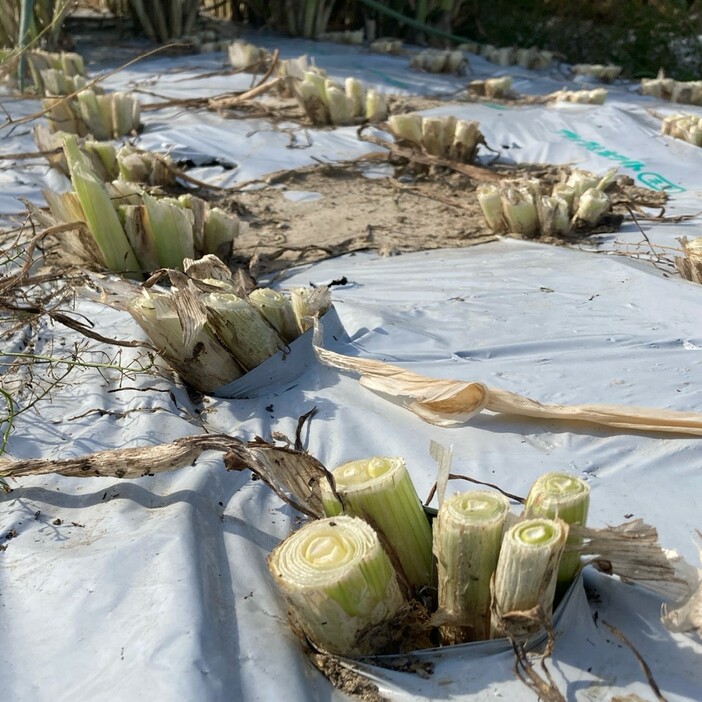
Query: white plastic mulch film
{"points": [[157, 588]]}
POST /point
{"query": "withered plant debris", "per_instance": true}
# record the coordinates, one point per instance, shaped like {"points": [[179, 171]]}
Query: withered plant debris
{"points": [[448, 403], [226, 101], [631, 551], [689, 265], [639, 659], [407, 631], [345, 678], [542, 684], [293, 475]]}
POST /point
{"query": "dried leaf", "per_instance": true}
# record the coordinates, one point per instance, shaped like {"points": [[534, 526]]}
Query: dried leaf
{"points": [[685, 614], [442, 456], [631, 551], [209, 267], [122, 463], [449, 403], [294, 476]]}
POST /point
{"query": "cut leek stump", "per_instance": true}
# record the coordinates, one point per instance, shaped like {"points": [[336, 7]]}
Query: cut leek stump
{"points": [[338, 581], [526, 573], [563, 496], [467, 538], [380, 490]]}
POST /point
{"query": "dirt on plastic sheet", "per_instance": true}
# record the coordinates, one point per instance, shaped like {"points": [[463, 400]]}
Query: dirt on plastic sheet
{"points": [[319, 212], [309, 215]]}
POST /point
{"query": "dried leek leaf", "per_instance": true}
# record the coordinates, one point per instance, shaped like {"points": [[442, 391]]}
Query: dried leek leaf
{"points": [[684, 614], [208, 267], [689, 266], [295, 476], [454, 402]]}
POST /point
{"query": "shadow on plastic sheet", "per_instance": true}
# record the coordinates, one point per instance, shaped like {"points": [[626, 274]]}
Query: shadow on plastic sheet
{"points": [[588, 662], [219, 641], [278, 411]]}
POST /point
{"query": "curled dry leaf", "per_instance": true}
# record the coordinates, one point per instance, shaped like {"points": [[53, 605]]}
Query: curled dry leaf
{"points": [[685, 615], [689, 266], [632, 552], [449, 403], [293, 475]]}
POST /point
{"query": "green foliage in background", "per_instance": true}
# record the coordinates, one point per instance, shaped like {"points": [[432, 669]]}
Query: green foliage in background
{"points": [[638, 35], [44, 22]]}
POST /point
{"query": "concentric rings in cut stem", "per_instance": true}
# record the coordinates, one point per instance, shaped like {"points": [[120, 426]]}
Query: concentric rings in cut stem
{"points": [[338, 581], [566, 497], [526, 572]]}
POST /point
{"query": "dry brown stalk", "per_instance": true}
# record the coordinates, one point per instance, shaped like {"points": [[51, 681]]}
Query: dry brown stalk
{"points": [[293, 475], [458, 476], [542, 684], [639, 658], [11, 281], [227, 102]]}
